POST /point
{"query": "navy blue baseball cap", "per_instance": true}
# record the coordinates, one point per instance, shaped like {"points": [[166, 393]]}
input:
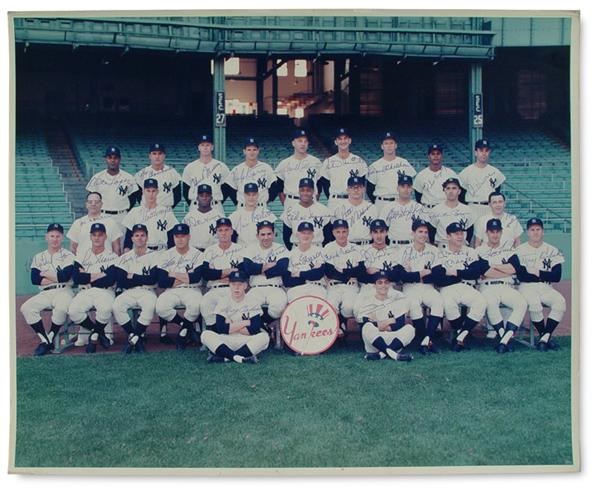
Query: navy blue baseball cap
{"points": [[534, 222], [157, 147], [378, 224], [299, 133], [238, 276], [435, 147], [381, 274], [250, 142], [55, 227], [181, 229], [355, 180], [493, 224], [112, 150], [306, 182], [250, 187], [388, 135], [224, 222], [416, 224], [205, 138], [339, 223], [139, 227], [204, 189], [483, 143], [148, 183], [98, 227], [454, 227], [342, 132], [265, 224], [305, 226], [405, 180], [451, 180]]}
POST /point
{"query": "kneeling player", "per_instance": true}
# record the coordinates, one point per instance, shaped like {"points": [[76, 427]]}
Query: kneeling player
{"points": [[381, 313], [237, 335]]}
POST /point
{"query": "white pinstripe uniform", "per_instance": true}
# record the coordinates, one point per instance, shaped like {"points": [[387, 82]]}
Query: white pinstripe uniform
{"points": [[159, 221], [399, 217], [168, 179], [429, 184], [213, 173], [261, 173], [511, 228], [385, 259], [244, 223], [291, 170], [337, 172], [342, 296], [479, 182], [79, 232], [304, 261], [383, 174], [442, 215], [317, 214], [203, 232], [359, 219], [115, 191]]}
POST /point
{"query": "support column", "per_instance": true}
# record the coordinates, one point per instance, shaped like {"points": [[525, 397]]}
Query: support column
{"points": [[475, 104], [338, 73], [275, 88], [261, 67], [354, 87], [219, 109]]}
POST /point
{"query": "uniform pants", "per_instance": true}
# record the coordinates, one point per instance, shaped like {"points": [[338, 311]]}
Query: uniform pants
{"points": [[57, 299], [503, 294], [423, 294], [135, 298], [462, 294], [98, 298], [306, 290], [209, 303], [370, 332], [255, 343], [343, 298], [170, 298], [538, 295], [274, 298]]}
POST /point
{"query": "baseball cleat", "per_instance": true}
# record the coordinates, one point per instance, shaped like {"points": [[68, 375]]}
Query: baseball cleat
{"points": [[501, 348], [424, 349], [42, 349], [458, 346], [239, 359], [104, 341], [374, 356], [552, 345], [139, 347], [398, 356], [180, 343], [165, 339], [90, 348], [250, 360], [213, 358], [542, 346], [128, 349], [433, 349]]}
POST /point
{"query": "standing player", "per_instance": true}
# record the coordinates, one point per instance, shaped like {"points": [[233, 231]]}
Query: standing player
{"points": [[252, 170], [245, 219], [169, 180], [95, 272], [138, 276], [378, 256], [429, 182], [499, 264], [450, 211], [300, 165], [51, 271], [541, 265], [402, 212], [205, 170], [202, 219], [180, 273], [306, 208], [416, 261], [358, 212], [480, 178], [338, 168], [237, 334], [117, 187], [385, 172], [511, 228], [79, 232], [455, 272], [159, 220], [382, 314]]}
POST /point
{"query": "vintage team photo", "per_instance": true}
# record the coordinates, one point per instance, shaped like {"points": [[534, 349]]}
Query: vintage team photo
{"points": [[293, 242]]}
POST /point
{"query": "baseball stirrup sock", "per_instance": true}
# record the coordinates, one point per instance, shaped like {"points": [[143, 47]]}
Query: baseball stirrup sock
{"points": [[54, 329], [462, 335], [539, 326], [163, 327], [469, 324], [550, 326], [127, 327], [88, 323], [38, 327], [379, 344], [419, 325], [432, 325], [499, 327], [244, 351], [506, 337], [224, 351], [396, 344]]}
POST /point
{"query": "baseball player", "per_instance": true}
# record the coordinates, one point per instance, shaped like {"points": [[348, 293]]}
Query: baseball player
{"points": [[382, 174], [338, 168], [343, 266], [95, 273], [159, 220], [450, 211], [455, 271], [252, 170], [541, 265], [480, 178], [265, 263], [202, 219], [416, 263], [377, 256], [237, 334], [220, 260], [381, 314], [169, 180], [511, 228], [79, 232], [428, 183], [205, 170], [117, 187], [499, 264], [245, 219], [137, 277], [51, 271], [306, 208], [304, 276], [402, 212], [300, 165], [180, 271], [357, 211]]}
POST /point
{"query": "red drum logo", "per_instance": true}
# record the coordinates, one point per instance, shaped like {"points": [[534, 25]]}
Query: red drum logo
{"points": [[309, 325]]}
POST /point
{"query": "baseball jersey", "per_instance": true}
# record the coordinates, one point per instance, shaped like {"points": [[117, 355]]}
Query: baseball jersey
{"points": [[511, 228], [394, 305], [497, 256], [317, 214], [291, 170], [413, 260], [236, 311], [429, 184], [542, 258], [460, 260], [79, 232], [260, 255], [383, 174], [93, 263], [399, 218], [479, 182], [442, 215], [261, 174], [159, 221], [55, 263], [171, 260], [342, 257], [338, 171], [203, 231], [359, 219], [114, 189], [244, 223], [168, 179], [132, 263], [213, 173], [384, 259], [304, 261], [220, 259]]}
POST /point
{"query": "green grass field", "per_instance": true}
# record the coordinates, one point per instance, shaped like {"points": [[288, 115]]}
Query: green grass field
{"points": [[335, 410]]}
